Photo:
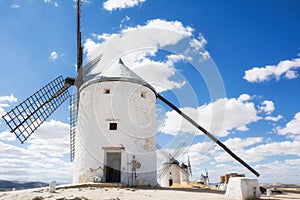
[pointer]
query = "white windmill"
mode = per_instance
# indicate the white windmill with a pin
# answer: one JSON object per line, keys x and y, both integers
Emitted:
{"x": 174, "y": 172}
{"x": 113, "y": 125}
{"x": 116, "y": 126}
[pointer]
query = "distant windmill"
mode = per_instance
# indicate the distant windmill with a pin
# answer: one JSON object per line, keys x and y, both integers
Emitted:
{"x": 112, "y": 121}
{"x": 205, "y": 178}
{"x": 173, "y": 171}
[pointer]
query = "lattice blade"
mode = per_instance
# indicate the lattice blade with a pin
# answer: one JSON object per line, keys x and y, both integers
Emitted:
{"x": 25, "y": 118}
{"x": 73, "y": 124}
{"x": 91, "y": 65}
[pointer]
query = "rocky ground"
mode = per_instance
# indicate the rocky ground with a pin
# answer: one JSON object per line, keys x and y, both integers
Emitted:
{"x": 117, "y": 192}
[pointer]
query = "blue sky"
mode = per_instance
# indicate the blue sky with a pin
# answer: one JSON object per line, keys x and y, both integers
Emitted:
{"x": 250, "y": 48}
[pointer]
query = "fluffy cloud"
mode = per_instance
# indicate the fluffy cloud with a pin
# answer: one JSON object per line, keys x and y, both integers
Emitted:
{"x": 154, "y": 34}
{"x": 260, "y": 152}
{"x": 149, "y": 70}
{"x": 285, "y": 68}
{"x": 292, "y": 128}
{"x": 238, "y": 143}
{"x": 244, "y": 97}
{"x": 280, "y": 171}
{"x": 14, "y": 6}
{"x": 267, "y": 107}
{"x": 5, "y": 101}
{"x": 274, "y": 119}
{"x": 9, "y": 99}
{"x": 147, "y": 38}
{"x": 7, "y": 136}
{"x": 40, "y": 158}
{"x": 176, "y": 26}
{"x": 218, "y": 117}
{"x": 111, "y": 5}
{"x": 52, "y": 138}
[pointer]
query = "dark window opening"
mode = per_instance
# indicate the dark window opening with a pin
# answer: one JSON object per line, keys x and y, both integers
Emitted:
{"x": 143, "y": 95}
{"x": 113, "y": 126}
{"x": 106, "y": 91}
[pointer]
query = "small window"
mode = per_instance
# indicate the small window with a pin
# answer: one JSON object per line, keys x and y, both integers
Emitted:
{"x": 113, "y": 126}
{"x": 106, "y": 91}
{"x": 143, "y": 95}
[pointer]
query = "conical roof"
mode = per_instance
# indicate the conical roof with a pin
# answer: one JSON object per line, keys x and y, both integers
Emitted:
{"x": 120, "y": 72}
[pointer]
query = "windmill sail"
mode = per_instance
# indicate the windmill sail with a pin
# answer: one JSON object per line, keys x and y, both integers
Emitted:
{"x": 189, "y": 167}
{"x": 25, "y": 118}
{"x": 208, "y": 134}
{"x": 91, "y": 65}
{"x": 73, "y": 124}
{"x": 171, "y": 158}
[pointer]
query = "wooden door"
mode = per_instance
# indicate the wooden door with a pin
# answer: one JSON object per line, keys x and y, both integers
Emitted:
{"x": 113, "y": 167}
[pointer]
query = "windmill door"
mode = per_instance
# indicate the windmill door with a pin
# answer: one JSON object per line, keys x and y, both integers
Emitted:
{"x": 113, "y": 167}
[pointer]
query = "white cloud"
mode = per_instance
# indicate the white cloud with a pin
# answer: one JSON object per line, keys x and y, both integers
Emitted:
{"x": 53, "y": 55}
{"x": 176, "y": 26}
{"x": 52, "y": 138}
{"x": 274, "y": 119}
{"x": 158, "y": 74}
{"x": 198, "y": 46}
{"x": 244, "y": 97}
{"x": 218, "y": 117}
{"x": 292, "y": 128}
{"x": 40, "y": 158}
{"x": 261, "y": 152}
{"x": 238, "y": 143}
{"x": 7, "y": 136}
{"x": 9, "y": 99}
{"x": 267, "y": 107}
{"x": 14, "y": 6}
{"x": 285, "y": 68}
{"x": 27, "y": 169}
{"x": 5, "y": 101}
{"x": 137, "y": 44}
{"x": 112, "y": 5}
{"x": 89, "y": 46}
{"x": 173, "y": 58}
{"x": 158, "y": 39}
{"x": 280, "y": 171}
{"x": 54, "y": 3}
{"x": 136, "y": 41}
{"x": 200, "y": 43}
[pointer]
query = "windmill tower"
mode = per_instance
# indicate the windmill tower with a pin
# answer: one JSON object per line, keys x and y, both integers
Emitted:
{"x": 112, "y": 132}
{"x": 116, "y": 129}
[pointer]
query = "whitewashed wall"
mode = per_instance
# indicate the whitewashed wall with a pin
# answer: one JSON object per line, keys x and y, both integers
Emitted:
{"x": 136, "y": 133}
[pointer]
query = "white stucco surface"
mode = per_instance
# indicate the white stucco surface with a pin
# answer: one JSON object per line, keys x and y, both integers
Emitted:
{"x": 241, "y": 188}
{"x": 133, "y": 107}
